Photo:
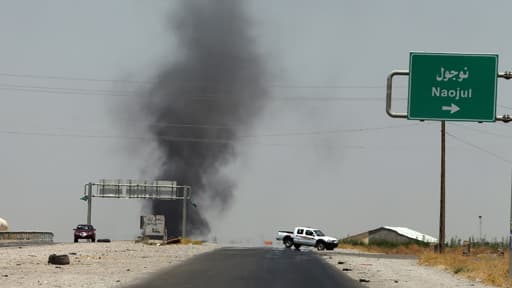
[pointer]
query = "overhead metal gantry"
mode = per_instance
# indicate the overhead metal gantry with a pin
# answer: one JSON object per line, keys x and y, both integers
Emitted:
{"x": 133, "y": 189}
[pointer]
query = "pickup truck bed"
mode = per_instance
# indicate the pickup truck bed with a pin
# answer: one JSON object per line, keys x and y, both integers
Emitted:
{"x": 281, "y": 234}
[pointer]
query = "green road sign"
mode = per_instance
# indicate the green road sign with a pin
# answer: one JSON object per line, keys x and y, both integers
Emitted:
{"x": 454, "y": 87}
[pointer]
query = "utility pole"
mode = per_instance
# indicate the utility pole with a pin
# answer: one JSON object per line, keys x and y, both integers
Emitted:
{"x": 443, "y": 188}
{"x": 89, "y": 202}
{"x": 184, "y": 216}
{"x": 510, "y": 237}
{"x": 424, "y": 75}
{"x": 480, "y": 228}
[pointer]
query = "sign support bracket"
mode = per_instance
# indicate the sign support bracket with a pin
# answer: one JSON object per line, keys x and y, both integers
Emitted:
{"x": 389, "y": 88}
{"x": 504, "y": 118}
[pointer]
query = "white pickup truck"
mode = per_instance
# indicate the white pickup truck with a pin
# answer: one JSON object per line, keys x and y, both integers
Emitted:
{"x": 308, "y": 237}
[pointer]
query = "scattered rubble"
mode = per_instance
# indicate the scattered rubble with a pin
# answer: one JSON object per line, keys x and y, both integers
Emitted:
{"x": 115, "y": 264}
{"x": 391, "y": 271}
{"x": 58, "y": 259}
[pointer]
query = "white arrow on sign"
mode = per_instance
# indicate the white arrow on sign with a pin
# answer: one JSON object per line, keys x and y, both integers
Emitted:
{"x": 453, "y": 108}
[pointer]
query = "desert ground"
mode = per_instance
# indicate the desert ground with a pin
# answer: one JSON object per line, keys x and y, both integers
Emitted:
{"x": 112, "y": 264}
{"x": 121, "y": 263}
{"x": 386, "y": 271}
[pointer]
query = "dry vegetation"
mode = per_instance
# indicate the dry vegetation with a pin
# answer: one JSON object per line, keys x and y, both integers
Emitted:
{"x": 402, "y": 250}
{"x": 484, "y": 264}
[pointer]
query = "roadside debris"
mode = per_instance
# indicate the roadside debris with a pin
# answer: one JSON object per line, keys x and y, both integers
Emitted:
{"x": 466, "y": 248}
{"x": 173, "y": 241}
{"x": 178, "y": 240}
{"x": 58, "y": 259}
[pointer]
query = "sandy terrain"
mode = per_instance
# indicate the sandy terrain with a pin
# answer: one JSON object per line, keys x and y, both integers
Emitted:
{"x": 94, "y": 265}
{"x": 385, "y": 271}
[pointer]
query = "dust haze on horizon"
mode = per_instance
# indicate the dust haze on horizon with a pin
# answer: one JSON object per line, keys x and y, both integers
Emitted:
{"x": 316, "y": 148}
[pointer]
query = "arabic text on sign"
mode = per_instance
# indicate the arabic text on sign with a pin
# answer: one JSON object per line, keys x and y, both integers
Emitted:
{"x": 447, "y": 74}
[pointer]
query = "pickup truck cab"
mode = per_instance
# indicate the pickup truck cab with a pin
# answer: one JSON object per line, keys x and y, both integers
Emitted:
{"x": 306, "y": 236}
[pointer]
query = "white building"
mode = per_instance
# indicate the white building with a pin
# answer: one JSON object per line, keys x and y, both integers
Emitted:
{"x": 391, "y": 234}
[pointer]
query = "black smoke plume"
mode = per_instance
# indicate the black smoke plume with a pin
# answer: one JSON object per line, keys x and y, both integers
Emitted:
{"x": 202, "y": 102}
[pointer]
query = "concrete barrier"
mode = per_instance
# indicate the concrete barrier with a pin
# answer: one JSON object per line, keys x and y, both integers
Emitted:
{"x": 26, "y": 237}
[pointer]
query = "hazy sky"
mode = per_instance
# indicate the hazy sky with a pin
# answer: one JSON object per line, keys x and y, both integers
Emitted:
{"x": 324, "y": 153}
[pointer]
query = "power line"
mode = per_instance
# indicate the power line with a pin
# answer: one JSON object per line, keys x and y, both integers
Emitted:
{"x": 204, "y": 126}
{"x": 124, "y": 93}
{"x": 66, "y": 91}
{"x": 71, "y": 135}
{"x": 191, "y": 83}
{"x": 482, "y": 131}
{"x": 294, "y": 133}
{"x": 51, "y": 77}
{"x": 162, "y": 138}
{"x": 192, "y": 139}
{"x": 336, "y": 131}
{"x": 506, "y": 107}
{"x": 479, "y": 148}
{"x": 300, "y": 98}
{"x": 62, "y": 92}
{"x": 328, "y": 86}
{"x": 220, "y": 96}
{"x": 106, "y": 91}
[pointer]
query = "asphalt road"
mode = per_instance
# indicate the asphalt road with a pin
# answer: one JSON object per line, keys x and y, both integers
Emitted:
{"x": 252, "y": 267}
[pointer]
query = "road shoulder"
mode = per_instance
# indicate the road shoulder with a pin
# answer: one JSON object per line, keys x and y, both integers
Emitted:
{"x": 385, "y": 271}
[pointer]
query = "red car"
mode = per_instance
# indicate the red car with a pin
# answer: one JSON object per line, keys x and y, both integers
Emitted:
{"x": 85, "y": 231}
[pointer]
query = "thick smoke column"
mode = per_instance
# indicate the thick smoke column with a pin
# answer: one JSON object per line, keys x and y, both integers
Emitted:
{"x": 201, "y": 102}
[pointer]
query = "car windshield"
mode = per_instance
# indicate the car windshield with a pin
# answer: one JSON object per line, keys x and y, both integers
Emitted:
{"x": 319, "y": 233}
{"x": 83, "y": 227}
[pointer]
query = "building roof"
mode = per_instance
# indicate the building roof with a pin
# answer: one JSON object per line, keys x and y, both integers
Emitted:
{"x": 412, "y": 234}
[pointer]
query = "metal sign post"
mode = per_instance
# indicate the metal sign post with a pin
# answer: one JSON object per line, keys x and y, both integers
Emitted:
{"x": 442, "y": 209}
{"x": 184, "y": 217}
{"x": 450, "y": 87}
{"x": 156, "y": 190}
